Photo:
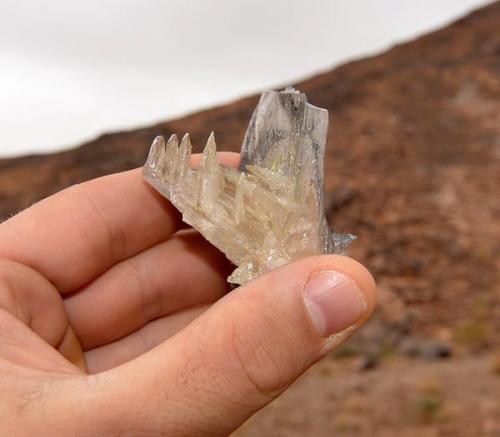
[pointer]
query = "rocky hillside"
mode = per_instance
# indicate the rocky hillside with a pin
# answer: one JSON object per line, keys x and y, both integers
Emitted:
{"x": 413, "y": 168}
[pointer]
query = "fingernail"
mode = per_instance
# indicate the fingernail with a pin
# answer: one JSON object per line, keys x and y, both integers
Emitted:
{"x": 333, "y": 302}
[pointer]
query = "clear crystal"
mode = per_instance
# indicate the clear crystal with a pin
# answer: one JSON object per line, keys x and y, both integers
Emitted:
{"x": 271, "y": 210}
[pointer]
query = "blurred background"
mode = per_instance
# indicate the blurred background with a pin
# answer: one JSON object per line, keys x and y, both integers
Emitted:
{"x": 73, "y": 70}
{"x": 412, "y": 167}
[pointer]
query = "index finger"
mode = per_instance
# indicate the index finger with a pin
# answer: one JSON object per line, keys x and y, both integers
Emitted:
{"x": 77, "y": 234}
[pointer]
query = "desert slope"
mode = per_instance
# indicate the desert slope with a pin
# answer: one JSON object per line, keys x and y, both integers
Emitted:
{"x": 413, "y": 168}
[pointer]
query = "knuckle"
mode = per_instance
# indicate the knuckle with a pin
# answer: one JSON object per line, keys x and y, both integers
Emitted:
{"x": 5, "y": 270}
{"x": 9, "y": 298}
{"x": 264, "y": 366}
{"x": 114, "y": 236}
{"x": 149, "y": 291}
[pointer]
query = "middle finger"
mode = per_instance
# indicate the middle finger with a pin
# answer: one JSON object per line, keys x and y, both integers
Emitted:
{"x": 179, "y": 273}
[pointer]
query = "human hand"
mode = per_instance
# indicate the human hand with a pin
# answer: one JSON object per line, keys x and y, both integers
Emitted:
{"x": 112, "y": 322}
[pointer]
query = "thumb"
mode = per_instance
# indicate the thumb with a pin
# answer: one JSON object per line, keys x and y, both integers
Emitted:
{"x": 243, "y": 352}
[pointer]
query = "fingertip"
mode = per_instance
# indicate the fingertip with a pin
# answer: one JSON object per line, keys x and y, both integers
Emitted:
{"x": 229, "y": 159}
{"x": 360, "y": 275}
{"x": 338, "y": 291}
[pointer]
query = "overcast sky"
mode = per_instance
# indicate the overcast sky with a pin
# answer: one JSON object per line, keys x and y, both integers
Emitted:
{"x": 71, "y": 70}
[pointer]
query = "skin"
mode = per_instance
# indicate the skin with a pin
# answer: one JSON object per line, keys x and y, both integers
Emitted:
{"x": 115, "y": 318}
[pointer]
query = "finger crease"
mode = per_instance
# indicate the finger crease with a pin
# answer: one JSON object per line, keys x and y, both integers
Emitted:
{"x": 147, "y": 293}
{"x": 115, "y": 237}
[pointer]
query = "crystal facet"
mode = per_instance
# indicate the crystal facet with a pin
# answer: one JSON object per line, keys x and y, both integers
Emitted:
{"x": 271, "y": 210}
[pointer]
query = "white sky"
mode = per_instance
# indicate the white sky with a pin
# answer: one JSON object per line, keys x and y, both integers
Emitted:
{"x": 70, "y": 70}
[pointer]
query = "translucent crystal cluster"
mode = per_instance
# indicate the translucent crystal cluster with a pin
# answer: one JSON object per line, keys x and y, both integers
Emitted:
{"x": 268, "y": 212}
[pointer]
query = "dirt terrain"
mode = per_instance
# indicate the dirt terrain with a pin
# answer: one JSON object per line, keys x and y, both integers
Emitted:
{"x": 413, "y": 169}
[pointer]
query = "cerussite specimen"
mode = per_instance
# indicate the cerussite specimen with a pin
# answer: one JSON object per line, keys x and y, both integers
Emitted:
{"x": 271, "y": 210}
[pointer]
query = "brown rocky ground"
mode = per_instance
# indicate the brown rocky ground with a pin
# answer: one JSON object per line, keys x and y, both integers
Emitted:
{"x": 413, "y": 169}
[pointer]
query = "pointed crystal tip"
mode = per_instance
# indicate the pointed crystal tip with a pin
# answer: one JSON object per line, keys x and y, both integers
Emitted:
{"x": 271, "y": 210}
